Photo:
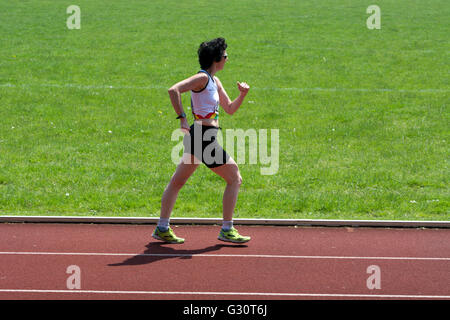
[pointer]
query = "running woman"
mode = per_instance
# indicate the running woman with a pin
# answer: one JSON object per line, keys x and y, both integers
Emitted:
{"x": 200, "y": 145}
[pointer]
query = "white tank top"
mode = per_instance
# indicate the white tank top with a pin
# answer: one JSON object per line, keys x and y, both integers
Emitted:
{"x": 205, "y": 103}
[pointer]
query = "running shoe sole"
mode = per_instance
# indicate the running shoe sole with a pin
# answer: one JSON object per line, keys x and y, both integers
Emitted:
{"x": 233, "y": 241}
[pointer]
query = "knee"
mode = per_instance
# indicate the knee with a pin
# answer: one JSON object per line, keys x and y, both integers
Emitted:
{"x": 177, "y": 183}
{"x": 239, "y": 180}
{"x": 236, "y": 180}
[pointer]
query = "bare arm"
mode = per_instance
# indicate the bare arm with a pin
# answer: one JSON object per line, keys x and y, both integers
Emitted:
{"x": 196, "y": 82}
{"x": 229, "y": 106}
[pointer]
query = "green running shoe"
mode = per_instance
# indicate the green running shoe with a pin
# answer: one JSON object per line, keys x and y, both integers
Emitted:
{"x": 168, "y": 236}
{"x": 232, "y": 236}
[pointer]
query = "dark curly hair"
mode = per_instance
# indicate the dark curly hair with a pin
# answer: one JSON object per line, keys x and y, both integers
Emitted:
{"x": 210, "y": 51}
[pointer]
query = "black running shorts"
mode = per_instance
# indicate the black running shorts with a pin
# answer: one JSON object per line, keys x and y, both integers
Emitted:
{"x": 202, "y": 143}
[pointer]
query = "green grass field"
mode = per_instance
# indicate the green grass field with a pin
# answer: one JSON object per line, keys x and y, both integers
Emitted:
{"x": 363, "y": 117}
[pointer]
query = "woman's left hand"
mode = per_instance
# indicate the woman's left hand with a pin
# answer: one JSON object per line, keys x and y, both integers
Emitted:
{"x": 243, "y": 87}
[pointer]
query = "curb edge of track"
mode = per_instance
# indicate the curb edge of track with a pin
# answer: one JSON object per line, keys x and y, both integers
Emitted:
{"x": 237, "y": 221}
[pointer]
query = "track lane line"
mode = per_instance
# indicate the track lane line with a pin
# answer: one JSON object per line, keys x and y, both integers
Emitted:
{"x": 222, "y": 255}
{"x": 281, "y": 294}
{"x": 158, "y": 87}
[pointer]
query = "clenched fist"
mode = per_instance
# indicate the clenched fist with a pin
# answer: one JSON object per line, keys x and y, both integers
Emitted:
{"x": 243, "y": 87}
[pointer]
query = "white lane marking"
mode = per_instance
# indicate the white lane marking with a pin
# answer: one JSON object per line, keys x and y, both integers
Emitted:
{"x": 269, "y": 256}
{"x": 279, "y": 294}
{"x": 79, "y": 86}
{"x": 150, "y": 87}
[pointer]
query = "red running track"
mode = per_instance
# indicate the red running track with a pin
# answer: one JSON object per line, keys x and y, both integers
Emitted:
{"x": 124, "y": 262}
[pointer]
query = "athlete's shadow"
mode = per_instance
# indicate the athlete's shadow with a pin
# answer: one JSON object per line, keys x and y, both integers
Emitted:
{"x": 157, "y": 251}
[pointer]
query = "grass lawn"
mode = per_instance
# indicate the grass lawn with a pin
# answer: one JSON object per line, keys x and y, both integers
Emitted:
{"x": 363, "y": 115}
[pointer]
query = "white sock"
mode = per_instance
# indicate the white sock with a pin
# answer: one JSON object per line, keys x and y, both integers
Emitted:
{"x": 227, "y": 225}
{"x": 163, "y": 224}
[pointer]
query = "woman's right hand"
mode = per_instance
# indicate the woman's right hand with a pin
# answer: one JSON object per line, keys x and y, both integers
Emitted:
{"x": 184, "y": 126}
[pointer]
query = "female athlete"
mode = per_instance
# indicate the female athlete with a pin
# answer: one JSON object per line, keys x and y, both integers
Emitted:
{"x": 200, "y": 145}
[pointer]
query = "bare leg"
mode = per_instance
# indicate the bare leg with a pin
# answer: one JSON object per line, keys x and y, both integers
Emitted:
{"x": 230, "y": 173}
{"x": 185, "y": 169}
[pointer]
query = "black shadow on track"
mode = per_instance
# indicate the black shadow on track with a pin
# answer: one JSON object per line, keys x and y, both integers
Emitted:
{"x": 157, "y": 251}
